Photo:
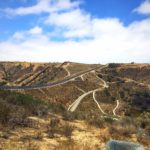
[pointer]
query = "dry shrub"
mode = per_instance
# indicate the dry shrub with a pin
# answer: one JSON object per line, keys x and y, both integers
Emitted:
{"x": 32, "y": 146}
{"x": 72, "y": 145}
{"x": 143, "y": 135}
{"x": 39, "y": 135}
{"x": 143, "y": 139}
{"x": 28, "y": 145}
{"x": 124, "y": 127}
{"x": 4, "y": 113}
{"x": 126, "y": 130}
{"x": 67, "y": 130}
{"x": 54, "y": 122}
{"x": 96, "y": 121}
{"x": 104, "y": 138}
{"x": 53, "y": 127}
{"x": 68, "y": 116}
{"x": 66, "y": 145}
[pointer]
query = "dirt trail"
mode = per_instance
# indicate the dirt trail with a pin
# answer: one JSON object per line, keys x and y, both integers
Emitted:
{"x": 82, "y": 77}
{"x": 53, "y": 84}
{"x": 65, "y": 67}
{"x": 114, "y": 110}
{"x": 75, "y": 104}
{"x": 94, "y": 98}
{"x": 80, "y": 89}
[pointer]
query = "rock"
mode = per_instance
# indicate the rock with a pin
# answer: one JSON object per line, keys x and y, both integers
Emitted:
{"x": 123, "y": 145}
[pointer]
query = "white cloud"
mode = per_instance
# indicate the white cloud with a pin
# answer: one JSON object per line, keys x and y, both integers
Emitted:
{"x": 22, "y": 35}
{"x": 18, "y": 35}
{"x": 117, "y": 44}
{"x": 35, "y": 30}
{"x": 144, "y": 8}
{"x": 75, "y": 23}
{"x": 100, "y": 39}
{"x": 42, "y": 6}
{"x": 79, "y": 24}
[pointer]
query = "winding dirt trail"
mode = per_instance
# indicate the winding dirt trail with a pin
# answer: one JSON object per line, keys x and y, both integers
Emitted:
{"x": 82, "y": 78}
{"x": 75, "y": 104}
{"x": 65, "y": 67}
{"x": 94, "y": 98}
{"x": 114, "y": 110}
{"x": 80, "y": 89}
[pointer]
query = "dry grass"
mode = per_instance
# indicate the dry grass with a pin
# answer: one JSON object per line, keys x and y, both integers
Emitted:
{"x": 16, "y": 109}
{"x": 29, "y": 145}
{"x": 72, "y": 145}
{"x": 123, "y": 128}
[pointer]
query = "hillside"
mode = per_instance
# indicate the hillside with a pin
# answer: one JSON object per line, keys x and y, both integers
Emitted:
{"x": 58, "y": 105}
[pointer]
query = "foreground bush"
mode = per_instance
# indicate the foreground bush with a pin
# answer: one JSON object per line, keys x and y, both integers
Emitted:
{"x": 16, "y": 107}
{"x": 67, "y": 130}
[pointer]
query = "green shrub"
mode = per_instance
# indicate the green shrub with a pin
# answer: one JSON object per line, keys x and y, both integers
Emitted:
{"x": 25, "y": 100}
{"x": 109, "y": 120}
{"x": 56, "y": 108}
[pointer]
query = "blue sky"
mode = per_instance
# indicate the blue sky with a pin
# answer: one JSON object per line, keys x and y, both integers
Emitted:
{"x": 121, "y": 9}
{"x": 88, "y": 31}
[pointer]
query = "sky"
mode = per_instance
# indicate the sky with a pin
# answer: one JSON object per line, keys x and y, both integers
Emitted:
{"x": 86, "y": 31}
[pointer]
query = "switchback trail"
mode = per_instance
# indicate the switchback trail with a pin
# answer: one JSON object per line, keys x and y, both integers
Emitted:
{"x": 75, "y": 104}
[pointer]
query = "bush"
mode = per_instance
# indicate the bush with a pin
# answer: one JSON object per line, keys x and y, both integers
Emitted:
{"x": 39, "y": 136}
{"x": 72, "y": 145}
{"x": 109, "y": 120}
{"x": 96, "y": 121}
{"x": 4, "y": 113}
{"x": 56, "y": 108}
{"x": 25, "y": 100}
{"x": 51, "y": 132}
{"x": 106, "y": 91}
{"x": 68, "y": 116}
{"x": 113, "y": 65}
{"x": 99, "y": 123}
{"x": 53, "y": 127}
{"x": 16, "y": 107}
{"x": 54, "y": 122}
{"x": 67, "y": 130}
{"x": 124, "y": 127}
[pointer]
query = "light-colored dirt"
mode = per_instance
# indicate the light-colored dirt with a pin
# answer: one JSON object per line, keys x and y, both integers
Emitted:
{"x": 28, "y": 138}
{"x": 94, "y": 98}
{"x": 65, "y": 66}
{"x": 75, "y": 104}
{"x": 114, "y": 110}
